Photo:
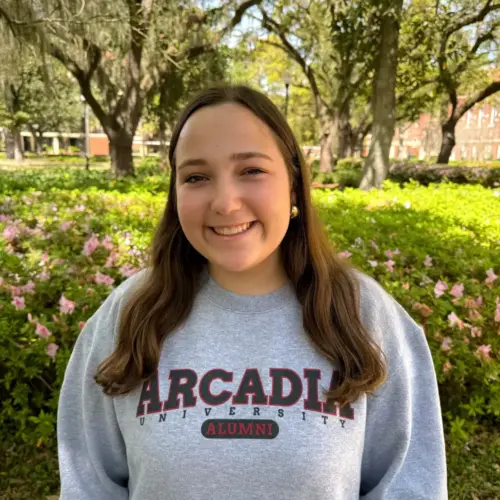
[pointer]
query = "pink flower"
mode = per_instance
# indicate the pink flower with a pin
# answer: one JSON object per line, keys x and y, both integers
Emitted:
{"x": 455, "y": 320}
{"x": 428, "y": 261}
{"x": 10, "y": 233}
{"x": 66, "y": 225}
{"x": 497, "y": 312}
{"x": 29, "y": 287}
{"x": 107, "y": 243}
{"x": 470, "y": 303}
{"x": 103, "y": 279}
{"x": 483, "y": 352}
{"x": 474, "y": 314}
{"x": 390, "y": 254}
{"x": 373, "y": 263}
{"x": 128, "y": 270}
{"x": 45, "y": 258}
{"x": 479, "y": 301}
{"x": 475, "y": 332}
{"x": 30, "y": 318}
{"x": 447, "y": 367}
{"x": 43, "y": 331}
{"x": 390, "y": 265}
{"x": 440, "y": 288}
{"x": 81, "y": 324}
{"x": 44, "y": 276}
{"x": 52, "y": 349}
{"x": 423, "y": 309}
{"x": 345, "y": 255}
{"x": 111, "y": 260}
{"x": 457, "y": 290}
{"x": 466, "y": 340}
{"x": 491, "y": 276}
{"x": 66, "y": 306}
{"x": 18, "y": 303}
{"x": 446, "y": 345}
{"x": 90, "y": 245}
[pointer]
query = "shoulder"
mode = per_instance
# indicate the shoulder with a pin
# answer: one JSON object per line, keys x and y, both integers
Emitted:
{"x": 109, "y": 311}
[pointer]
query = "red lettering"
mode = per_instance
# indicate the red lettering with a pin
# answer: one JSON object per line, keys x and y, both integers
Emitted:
{"x": 231, "y": 428}
{"x": 221, "y": 431}
{"x": 261, "y": 429}
{"x": 211, "y": 430}
{"x": 246, "y": 429}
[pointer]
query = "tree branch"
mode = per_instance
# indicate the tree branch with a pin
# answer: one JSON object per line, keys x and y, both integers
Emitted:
{"x": 479, "y": 96}
{"x": 463, "y": 21}
{"x": 287, "y": 47}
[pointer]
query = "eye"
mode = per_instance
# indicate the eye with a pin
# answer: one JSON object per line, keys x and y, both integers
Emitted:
{"x": 254, "y": 171}
{"x": 194, "y": 179}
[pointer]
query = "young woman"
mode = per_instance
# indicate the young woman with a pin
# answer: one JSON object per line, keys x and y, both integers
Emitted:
{"x": 247, "y": 361}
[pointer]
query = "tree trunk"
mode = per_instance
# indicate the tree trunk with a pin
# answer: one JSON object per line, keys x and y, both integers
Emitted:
{"x": 326, "y": 141}
{"x": 448, "y": 141}
{"x": 37, "y": 137}
{"x": 14, "y": 145}
{"x": 377, "y": 164}
{"x": 343, "y": 149}
{"x": 9, "y": 145}
{"x": 163, "y": 144}
{"x": 120, "y": 149}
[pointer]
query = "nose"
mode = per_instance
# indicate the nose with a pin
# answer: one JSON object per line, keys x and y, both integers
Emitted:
{"x": 226, "y": 198}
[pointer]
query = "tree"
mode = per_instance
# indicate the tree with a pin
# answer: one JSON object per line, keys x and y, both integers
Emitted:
{"x": 269, "y": 68}
{"x": 331, "y": 42}
{"x": 110, "y": 48}
{"x": 177, "y": 83}
{"x": 36, "y": 96}
{"x": 376, "y": 166}
{"x": 463, "y": 45}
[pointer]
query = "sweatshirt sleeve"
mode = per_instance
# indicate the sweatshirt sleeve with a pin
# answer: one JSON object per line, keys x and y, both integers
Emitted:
{"x": 92, "y": 454}
{"x": 404, "y": 452}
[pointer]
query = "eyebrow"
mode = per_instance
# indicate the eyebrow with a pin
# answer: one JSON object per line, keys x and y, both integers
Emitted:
{"x": 200, "y": 162}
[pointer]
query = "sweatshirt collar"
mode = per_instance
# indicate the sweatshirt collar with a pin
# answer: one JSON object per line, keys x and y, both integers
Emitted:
{"x": 246, "y": 303}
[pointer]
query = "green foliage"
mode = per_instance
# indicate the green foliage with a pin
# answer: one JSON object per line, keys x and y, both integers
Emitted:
{"x": 266, "y": 67}
{"x": 39, "y": 96}
{"x": 402, "y": 225}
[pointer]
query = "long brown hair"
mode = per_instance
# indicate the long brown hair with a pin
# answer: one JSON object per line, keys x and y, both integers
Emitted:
{"x": 325, "y": 286}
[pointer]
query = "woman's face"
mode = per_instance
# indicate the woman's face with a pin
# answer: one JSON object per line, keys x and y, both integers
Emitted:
{"x": 233, "y": 188}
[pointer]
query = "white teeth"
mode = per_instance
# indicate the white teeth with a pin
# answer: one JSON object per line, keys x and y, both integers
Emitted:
{"x": 226, "y": 231}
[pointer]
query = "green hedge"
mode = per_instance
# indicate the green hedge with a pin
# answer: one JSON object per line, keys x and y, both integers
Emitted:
{"x": 409, "y": 239}
{"x": 347, "y": 173}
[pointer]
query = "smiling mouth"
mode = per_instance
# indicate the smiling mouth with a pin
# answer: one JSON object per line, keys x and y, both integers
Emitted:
{"x": 233, "y": 230}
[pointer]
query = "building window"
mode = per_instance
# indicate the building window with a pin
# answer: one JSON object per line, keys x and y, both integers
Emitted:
{"x": 498, "y": 152}
{"x": 463, "y": 152}
{"x": 480, "y": 117}
{"x": 488, "y": 150}
{"x": 493, "y": 116}
{"x": 474, "y": 153}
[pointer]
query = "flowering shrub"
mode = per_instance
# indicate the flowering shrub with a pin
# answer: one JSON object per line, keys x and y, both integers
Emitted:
{"x": 66, "y": 239}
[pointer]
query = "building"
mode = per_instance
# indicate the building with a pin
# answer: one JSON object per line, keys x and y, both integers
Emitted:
{"x": 477, "y": 139}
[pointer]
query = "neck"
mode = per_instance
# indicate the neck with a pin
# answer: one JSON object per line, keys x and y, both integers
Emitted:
{"x": 265, "y": 278}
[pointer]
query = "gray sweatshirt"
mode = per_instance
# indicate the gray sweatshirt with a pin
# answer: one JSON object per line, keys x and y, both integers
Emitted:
{"x": 236, "y": 410}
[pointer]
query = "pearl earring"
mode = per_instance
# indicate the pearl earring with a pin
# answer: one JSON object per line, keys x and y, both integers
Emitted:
{"x": 294, "y": 213}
